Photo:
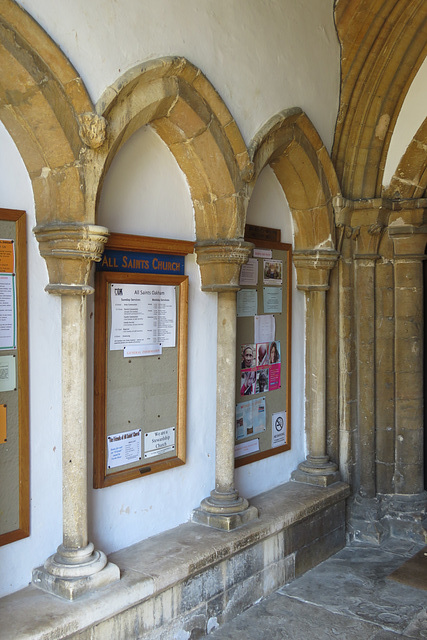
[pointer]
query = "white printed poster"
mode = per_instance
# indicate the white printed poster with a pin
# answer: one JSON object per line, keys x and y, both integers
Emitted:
{"x": 142, "y": 315}
{"x": 123, "y": 448}
{"x": 158, "y": 442}
{"x": 7, "y": 312}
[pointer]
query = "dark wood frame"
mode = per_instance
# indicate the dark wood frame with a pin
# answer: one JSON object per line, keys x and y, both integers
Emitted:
{"x": 23, "y": 531}
{"x": 266, "y": 238}
{"x": 151, "y": 245}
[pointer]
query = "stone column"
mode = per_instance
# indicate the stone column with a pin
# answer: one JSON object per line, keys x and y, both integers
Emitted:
{"x": 220, "y": 268}
{"x": 77, "y": 567}
{"x": 409, "y": 249}
{"x": 313, "y": 268}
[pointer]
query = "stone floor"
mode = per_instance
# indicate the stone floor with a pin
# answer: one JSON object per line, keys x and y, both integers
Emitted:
{"x": 347, "y": 597}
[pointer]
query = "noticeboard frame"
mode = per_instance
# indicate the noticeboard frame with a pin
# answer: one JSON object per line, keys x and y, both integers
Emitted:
{"x": 103, "y": 478}
{"x": 267, "y": 238}
{"x": 21, "y": 426}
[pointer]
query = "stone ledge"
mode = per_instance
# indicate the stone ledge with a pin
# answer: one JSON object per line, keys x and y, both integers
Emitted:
{"x": 190, "y": 560}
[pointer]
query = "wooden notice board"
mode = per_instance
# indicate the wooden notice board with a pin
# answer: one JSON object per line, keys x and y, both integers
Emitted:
{"x": 263, "y": 377}
{"x": 141, "y": 302}
{"x": 14, "y": 430}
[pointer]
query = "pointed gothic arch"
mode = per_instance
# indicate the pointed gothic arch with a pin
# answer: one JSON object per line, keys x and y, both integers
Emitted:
{"x": 178, "y": 102}
{"x": 42, "y": 98}
{"x": 290, "y": 144}
{"x": 383, "y": 45}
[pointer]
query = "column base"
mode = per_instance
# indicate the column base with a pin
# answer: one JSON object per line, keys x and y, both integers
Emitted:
{"x": 71, "y": 573}
{"x": 226, "y": 511}
{"x": 318, "y": 471}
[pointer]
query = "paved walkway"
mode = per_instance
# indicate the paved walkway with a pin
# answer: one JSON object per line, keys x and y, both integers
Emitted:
{"x": 347, "y": 597}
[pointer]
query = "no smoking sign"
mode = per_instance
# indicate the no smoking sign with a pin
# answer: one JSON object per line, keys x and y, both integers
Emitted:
{"x": 278, "y": 429}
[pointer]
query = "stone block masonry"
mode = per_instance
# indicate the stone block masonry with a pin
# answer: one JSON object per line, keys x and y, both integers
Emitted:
{"x": 187, "y": 581}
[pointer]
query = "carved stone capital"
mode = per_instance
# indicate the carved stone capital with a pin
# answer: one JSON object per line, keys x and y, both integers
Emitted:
{"x": 368, "y": 240}
{"x": 220, "y": 262}
{"x": 92, "y": 129}
{"x": 313, "y": 268}
{"x": 69, "y": 250}
{"x": 409, "y": 240}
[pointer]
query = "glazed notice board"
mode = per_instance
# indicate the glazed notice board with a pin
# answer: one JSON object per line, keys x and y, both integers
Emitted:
{"x": 263, "y": 376}
{"x": 141, "y": 303}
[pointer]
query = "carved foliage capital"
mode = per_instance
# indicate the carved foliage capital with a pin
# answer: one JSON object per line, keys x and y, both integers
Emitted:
{"x": 69, "y": 250}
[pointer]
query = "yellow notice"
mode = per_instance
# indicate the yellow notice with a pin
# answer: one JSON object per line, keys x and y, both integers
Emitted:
{"x": 7, "y": 262}
{"x": 3, "y": 430}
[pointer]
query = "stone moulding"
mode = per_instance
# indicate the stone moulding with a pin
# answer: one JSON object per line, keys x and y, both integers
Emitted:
{"x": 313, "y": 268}
{"x": 69, "y": 250}
{"x": 220, "y": 262}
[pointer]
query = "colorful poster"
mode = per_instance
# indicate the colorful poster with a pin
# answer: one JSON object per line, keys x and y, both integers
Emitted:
{"x": 247, "y": 354}
{"x": 273, "y": 272}
{"x": 250, "y": 418}
{"x": 7, "y": 256}
{"x": 274, "y": 377}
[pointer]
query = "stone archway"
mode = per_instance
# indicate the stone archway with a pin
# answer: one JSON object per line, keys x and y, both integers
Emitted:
{"x": 291, "y": 146}
{"x": 383, "y": 45}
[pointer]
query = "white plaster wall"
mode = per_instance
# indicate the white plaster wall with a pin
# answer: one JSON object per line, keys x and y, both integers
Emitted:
{"x": 44, "y": 322}
{"x": 261, "y": 57}
{"x": 146, "y": 193}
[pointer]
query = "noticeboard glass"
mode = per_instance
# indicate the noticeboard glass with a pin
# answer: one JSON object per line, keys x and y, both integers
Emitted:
{"x": 263, "y": 376}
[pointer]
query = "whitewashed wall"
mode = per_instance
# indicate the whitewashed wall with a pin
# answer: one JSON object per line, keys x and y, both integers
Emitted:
{"x": 261, "y": 58}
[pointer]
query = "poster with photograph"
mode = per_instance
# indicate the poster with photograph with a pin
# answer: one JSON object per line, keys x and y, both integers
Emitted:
{"x": 247, "y": 356}
{"x": 247, "y": 383}
{"x": 262, "y": 380}
{"x": 273, "y": 272}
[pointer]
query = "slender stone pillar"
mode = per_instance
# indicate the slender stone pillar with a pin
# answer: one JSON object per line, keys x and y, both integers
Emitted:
{"x": 220, "y": 267}
{"x": 313, "y": 269}
{"x": 77, "y": 567}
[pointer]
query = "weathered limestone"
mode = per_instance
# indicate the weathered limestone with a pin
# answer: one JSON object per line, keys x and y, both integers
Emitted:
{"x": 409, "y": 342}
{"x": 367, "y": 237}
{"x": 220, "y": 268}
{"x": 77, "y": 567}
{"x": 185, "y": 582}
{"x": 313, "y": 274}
